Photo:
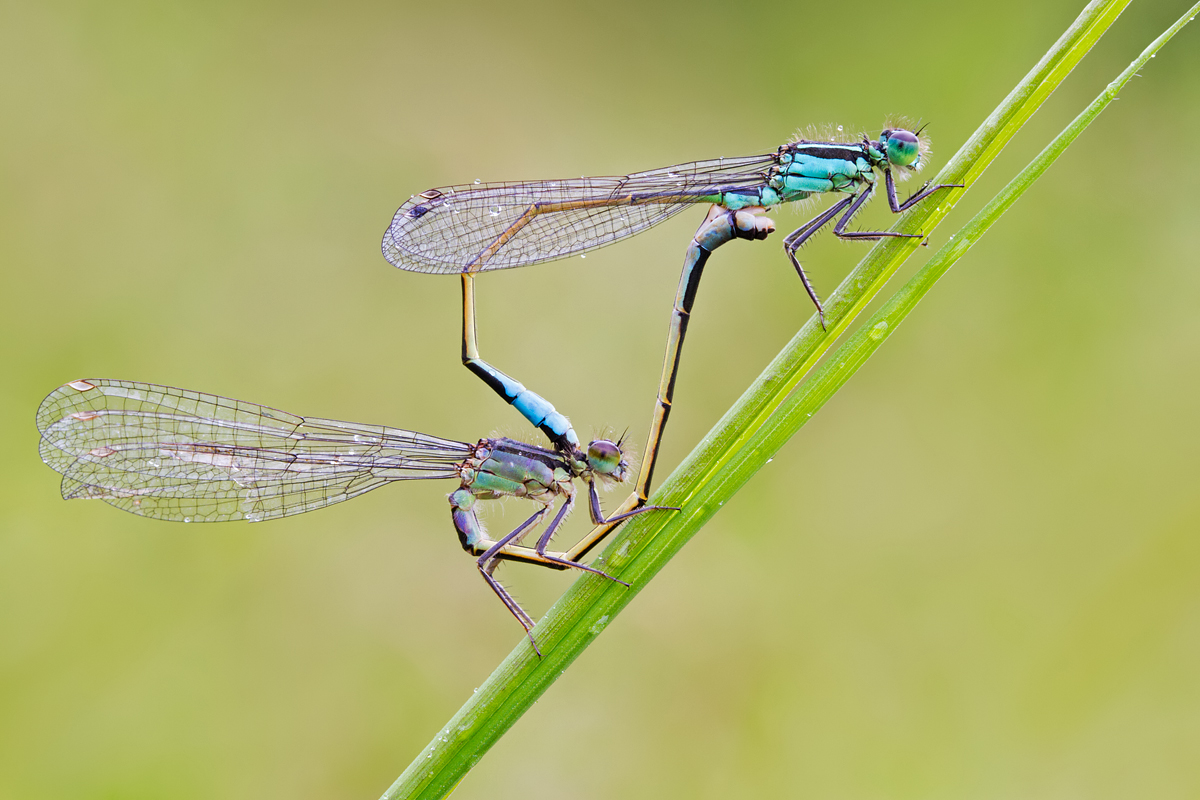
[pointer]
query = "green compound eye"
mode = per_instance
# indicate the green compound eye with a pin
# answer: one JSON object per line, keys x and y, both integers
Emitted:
{"x": 604, "y": 457}
{"x": 903, "y": 150}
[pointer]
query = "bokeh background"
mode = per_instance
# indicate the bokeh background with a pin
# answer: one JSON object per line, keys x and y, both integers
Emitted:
{"x": 976, "y": 573}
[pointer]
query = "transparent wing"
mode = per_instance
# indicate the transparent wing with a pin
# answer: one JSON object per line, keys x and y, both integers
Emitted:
{"x": 187, "y": 456}
{"x": 500, "y": 225}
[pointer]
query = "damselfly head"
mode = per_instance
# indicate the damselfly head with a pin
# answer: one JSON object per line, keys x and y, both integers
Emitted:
{"x": 901, "y": 148}
{"x": 904, "y": 148}
{"x": 606, "y": 460}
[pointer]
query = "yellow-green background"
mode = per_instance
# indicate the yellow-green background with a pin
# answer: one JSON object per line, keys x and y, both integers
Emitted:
{"x": 975, "y": 574}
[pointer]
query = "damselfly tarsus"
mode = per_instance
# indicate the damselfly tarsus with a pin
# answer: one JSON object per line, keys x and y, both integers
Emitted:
{"x": 479, "y": 227}
{"x": 186, "y": 456}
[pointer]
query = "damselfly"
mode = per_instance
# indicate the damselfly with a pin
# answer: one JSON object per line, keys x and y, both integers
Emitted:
{"x": 187, "y": 456}
{"x": 478, "y": 227}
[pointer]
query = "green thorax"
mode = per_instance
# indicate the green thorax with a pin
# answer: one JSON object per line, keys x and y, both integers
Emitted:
{"x": 503, "y": 467}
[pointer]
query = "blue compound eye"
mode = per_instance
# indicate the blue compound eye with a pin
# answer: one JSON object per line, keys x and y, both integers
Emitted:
{"x": 604, "y": 457}
{"x": 903, "y": 150}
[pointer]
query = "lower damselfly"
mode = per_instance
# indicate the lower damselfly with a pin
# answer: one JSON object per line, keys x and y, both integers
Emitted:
{"x": 185, "y": 456}
{"x": 473, "y": 228}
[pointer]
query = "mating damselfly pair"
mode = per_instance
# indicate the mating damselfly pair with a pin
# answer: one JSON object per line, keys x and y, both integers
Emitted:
{"x": 187, "y": 456}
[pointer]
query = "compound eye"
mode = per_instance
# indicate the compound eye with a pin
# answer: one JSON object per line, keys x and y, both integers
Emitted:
{"x": 604, "y": 457}
{"x": 903, "y": 150}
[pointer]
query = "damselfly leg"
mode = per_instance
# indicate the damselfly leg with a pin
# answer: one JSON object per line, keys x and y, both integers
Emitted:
{"x": 851, "y": 205}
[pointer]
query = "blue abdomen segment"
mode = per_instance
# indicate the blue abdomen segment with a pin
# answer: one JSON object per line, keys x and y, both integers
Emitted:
{"x": 532, "y": 406}
{"x": 541, "y": 413}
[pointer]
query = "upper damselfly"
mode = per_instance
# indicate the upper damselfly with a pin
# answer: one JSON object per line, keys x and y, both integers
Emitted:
{"x": 185, "y": 456}
{"x": 478, "y": 227}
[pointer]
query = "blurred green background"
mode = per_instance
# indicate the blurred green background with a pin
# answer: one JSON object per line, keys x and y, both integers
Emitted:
{"x": 974, "y": 574}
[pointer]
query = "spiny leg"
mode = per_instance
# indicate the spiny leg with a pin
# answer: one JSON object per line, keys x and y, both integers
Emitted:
{"x": 548, "y": 534}
{"x": 850, "y": 206}
{"x": 839, "y": 230}
{"x": 532, "y": 406}
{"x": 597, "y": 513}
{"x": 868, "y": 235}
{"x": 488, "y": 562}
{"x": 793, "y": 241}
{"x": 924, "y": 192}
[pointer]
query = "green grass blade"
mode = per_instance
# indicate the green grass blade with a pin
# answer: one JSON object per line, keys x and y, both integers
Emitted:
{"x": 752, "y": 431}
